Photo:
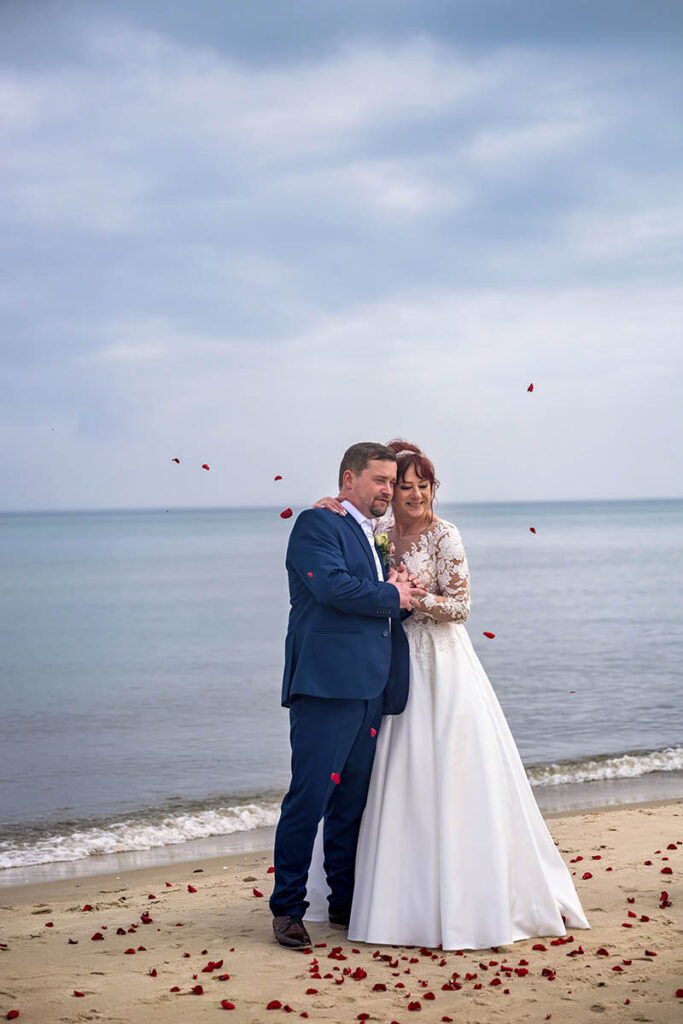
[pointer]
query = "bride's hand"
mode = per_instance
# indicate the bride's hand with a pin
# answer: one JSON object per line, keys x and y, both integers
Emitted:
{"x": 333, "y": 505}
{"x": 400, "y": 575}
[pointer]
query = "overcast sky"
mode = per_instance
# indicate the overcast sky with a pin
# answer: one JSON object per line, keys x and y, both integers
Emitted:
{"x": 252, "y": 234}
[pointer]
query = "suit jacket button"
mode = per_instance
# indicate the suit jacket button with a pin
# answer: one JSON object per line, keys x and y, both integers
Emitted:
{"x": 385, "y": 632}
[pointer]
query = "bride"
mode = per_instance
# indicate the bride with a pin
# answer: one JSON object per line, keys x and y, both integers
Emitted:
{"x": 453, "y": 850}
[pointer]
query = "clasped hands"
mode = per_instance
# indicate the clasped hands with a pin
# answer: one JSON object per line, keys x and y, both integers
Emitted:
{"x": 408, "y": 586}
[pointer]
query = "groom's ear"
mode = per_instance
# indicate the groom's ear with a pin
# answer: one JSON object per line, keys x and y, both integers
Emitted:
{"x": 347, "y": 479}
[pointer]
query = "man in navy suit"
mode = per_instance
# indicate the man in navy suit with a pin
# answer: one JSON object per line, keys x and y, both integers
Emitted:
{"x": 346, "y": 664}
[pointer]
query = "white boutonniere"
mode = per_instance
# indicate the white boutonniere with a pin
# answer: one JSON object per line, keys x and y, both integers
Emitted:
{"x": 384, "y": 546}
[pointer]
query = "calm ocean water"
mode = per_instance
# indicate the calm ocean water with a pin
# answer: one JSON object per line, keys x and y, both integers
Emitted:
{"x": 141, "y": 657}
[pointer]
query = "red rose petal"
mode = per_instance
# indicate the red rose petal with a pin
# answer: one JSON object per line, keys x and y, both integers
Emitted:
{"x": 191, "y": 888}
{"x": 630, "y": 899}
{"x": 49, "y": 924}
{"x": 540, "y": 947}
{"x": 286, "y": 513}
{"x": 130, "y": 951}
{"x": 373, "y": 733}
{"x": 666, "y": 871}
{"x": 270, "y": 870}
{"x": 96, "y": 937}
{"x": 312, "y": 992}
{"x": 491, "y": 636}
{"x": 174, "y": 989}
{"x": 227, "y": 1005}
{"x": 532, "y": 529}
{"x": 679, "y": 993}
{"x": 274, "y": 1004}
{"x": 335, "y": 778}
{"x": 79, "y": 995}
{"x": 153, "y": 972}
{"x": 631, "y": 914}
{"x": 530, "y": 388}
{"x": 87, "y": 907}
{"x": 601, "y": 952}
{"x": 197, "y": 990}
{"x": 12, "y": 1015}
{"x": 257, "y": 892}
{"x": 415, "y": 1006}
{"x": 379, "y": 987}
{"x": 176, "y": 460}
{"x": 204, "y": 466}
{"x": 586, "y": 875}
{"x": 278, "y": 477}
{"x": 650, "y": 952}
{"x": 310, "y": 575}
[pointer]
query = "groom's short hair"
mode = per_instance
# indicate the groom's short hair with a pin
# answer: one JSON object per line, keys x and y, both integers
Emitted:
{"x": 358, "y": 455}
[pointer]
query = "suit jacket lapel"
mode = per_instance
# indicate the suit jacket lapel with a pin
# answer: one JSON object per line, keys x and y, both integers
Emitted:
{"x": 363, "y": 540}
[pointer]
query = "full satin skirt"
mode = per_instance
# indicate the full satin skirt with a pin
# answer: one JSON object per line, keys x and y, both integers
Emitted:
{"x": 453, "y": 849}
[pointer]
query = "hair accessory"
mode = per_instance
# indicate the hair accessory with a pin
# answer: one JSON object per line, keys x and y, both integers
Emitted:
{"x": 406, "y": 452}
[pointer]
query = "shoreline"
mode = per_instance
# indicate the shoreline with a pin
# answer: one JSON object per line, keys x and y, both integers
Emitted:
{"x": 189, "y": 922}
{"x": 567, "y": 800}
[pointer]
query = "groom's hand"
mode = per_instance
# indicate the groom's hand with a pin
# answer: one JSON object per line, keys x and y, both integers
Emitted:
{"x": 407, "y": 592}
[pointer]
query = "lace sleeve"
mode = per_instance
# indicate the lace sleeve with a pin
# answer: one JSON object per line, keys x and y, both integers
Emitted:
{"x": 452, "y": 601}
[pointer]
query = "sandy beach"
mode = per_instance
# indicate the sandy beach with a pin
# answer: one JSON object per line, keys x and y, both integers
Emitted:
{"x": 193, "y": 940}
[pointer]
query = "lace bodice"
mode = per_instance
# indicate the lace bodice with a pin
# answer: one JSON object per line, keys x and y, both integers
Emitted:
{"x": 437, "y": 558}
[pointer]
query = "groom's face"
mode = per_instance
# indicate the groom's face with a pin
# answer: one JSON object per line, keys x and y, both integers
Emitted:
{"x": 372, "y": 490}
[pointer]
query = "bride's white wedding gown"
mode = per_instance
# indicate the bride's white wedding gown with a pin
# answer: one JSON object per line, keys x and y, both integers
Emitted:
{"x": 453, "y": 849}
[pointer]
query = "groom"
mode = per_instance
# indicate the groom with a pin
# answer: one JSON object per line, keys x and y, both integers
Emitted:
{"x": 346, "y": 664}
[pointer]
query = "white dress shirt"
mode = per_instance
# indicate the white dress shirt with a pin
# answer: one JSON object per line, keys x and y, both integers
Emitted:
{"x": 367, "y": 526}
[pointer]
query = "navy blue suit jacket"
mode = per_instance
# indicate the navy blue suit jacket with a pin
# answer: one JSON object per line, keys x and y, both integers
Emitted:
{"x": 339, "y": 642}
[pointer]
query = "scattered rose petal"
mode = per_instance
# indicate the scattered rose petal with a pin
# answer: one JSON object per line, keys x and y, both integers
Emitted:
{"x": 169, "y": 885}
{"x": 198, "y": 990}
{"x": 204, "y": 466}
{"x": 415, "y": 1006}
{"x": 530, "y": 388}
{"x": 12, "y": 1015}
{"x": 373, "y": 733}
{"x": 49, "y": 924}
{"x": 153, "y": 972}
{"x": 176, "y": 461}
{"x": 274, "y": 1004}
{"x": 310, "y": 575}
{"x": 79, "y": 995}
{"x": 601, "y": 952}
{"x": 270, "y": 870}
{"x": 666, "y": 871}
{"x": 97, "y": 937}
{"x": 540, "y": 947}
{"x": 174, "y": 989}
{"x": 227, "y": 1005}
{"x": 586, "y": 875}
{"x": 335, "y": 778}
{"x": 278, "y": 477}
{"x": 630, "y": 899}
{"x": 532, "y": 529}
{"x": 650, "y": 952}
{"x": 87, "y": 907}
{"x": 130, "y": 951}
{"x": 257, "y": 892}
{"x": 491, "y": 636}
{"x": 286, "y": 513}
{"x": 191, "y": 888}
{"x": 312, "y": 992}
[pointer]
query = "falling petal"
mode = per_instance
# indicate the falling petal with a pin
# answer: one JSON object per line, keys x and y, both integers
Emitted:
{"x": 286, "y": 513}
{"x": 491, "y": 636}
{"x": 530, "y": 388}
{"x": 335, "y": 778}
{"x": 177, "y": 461}
{"x": 278, "y": 477}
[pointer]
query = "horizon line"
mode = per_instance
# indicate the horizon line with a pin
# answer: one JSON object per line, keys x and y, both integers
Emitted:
{"x": 265, "y": 508}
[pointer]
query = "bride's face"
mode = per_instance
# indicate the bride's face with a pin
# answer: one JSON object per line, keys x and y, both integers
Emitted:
{"x": 412, "y": 501}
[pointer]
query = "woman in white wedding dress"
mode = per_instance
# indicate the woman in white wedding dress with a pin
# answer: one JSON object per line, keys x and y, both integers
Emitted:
{"x": 453, "y": 850}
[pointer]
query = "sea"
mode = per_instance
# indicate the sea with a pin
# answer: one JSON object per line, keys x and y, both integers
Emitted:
{"x": 141, "y": 658}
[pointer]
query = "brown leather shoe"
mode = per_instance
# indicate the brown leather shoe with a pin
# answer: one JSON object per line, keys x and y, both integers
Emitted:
{"x": 290, "y": 931}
